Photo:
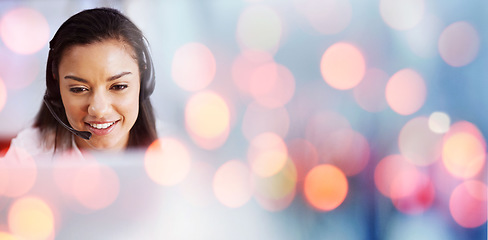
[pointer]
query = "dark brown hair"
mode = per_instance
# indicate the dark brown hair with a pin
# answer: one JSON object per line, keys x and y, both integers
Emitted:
{"x": 83, "y": 28}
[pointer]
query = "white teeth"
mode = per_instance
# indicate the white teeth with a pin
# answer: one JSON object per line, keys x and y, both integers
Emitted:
{"x": 102, "y": 126}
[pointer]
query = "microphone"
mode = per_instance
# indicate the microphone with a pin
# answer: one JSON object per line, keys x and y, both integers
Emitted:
{"x": 82, "y": 134}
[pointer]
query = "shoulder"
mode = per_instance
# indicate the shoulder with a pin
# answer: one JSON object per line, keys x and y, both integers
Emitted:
{"x": 31, "y": 141}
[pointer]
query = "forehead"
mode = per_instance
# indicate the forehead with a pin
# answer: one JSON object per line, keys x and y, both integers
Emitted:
{"x": 105, "y": 54}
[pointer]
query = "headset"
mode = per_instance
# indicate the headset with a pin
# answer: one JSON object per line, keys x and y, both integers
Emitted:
{"x": 148, "y": 83}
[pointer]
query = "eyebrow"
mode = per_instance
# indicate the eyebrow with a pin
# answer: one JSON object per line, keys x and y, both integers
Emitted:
{"x": 112, "y": 78}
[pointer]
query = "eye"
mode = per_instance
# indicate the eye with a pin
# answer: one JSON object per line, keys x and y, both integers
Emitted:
{"x": 119, "y": 87}
{"x": 78, "y": 89}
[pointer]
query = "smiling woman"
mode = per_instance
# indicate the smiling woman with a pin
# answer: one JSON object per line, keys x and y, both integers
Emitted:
{"x": 100, "y": 96}
{"x": 99, "y": 78}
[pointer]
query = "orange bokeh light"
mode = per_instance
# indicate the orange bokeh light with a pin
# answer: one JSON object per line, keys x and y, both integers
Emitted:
{"x": 459, "y": 44}
{"x": 272, "y": 85}
{"x": 207, "y": 115}
{"x": 31, "y": 218}
{"x": 95, "y": 186}
{"x": 325, "y": 187}
{"x": 387, "y": 170}
{"x": 24, "y": 30}
{"x": 193, "y": 67}
{"x": 343, "y": 66}
{"x": 463, "y": 155}
{"x": 418, "y": 143}
{"x": 369, "y": 94}
{"x": 258, "y": 119}
{"x": 468, "y": 204}
{"x": 232, "y": 184}
{"x": 167, "y": 161}
{"x": 406, "y": 92}
{"x": 267, "y": 154}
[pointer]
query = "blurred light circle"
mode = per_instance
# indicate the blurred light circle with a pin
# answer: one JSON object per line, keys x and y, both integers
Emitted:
{"x": 342, "y": 66}
{"x": 3, "y": 95}
{"x": 193, "y": 67}
{"x": 387, "y": 170}
{"x": 21, "y": 174}
{"x": 463, "y": 155}
{"x": 402, "y": 14}
{"x": 258, "y": 119}
{"x": 272, "y": 85}
{"x": 267, "y": 154}
{"x": 276, "y": 192}
{"x": 304, "y": 156}
{"x": 24, "y": 30}
{"x": 325, "y": 187}
{"x": 232, "y": 184}
{"x": 468, "y": 204}
{"x": 459, "y": 44}
{"x": 244, "y": 66}
{"x": 346, "y": 149}
{"x": 412, "y": 192}
{"x": 439, "y": 122}
{"x": 418, "y": 143}
{"x": 369, "y": 93}
{"x": 31, "y": 218}
{"x": 167, "y": 161}
{"x": 326, "y": 16}
{"x": 406, "y": 92}
{"x": 466, "y": 127}
{"x": 259, "y": 27}
{"x": 95, "y": 186}
{"x": 207, "y": 115}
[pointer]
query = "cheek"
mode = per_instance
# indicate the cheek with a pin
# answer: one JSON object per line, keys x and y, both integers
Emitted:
{"x": 129, "y": 107}
{"x": 73, "y": 109}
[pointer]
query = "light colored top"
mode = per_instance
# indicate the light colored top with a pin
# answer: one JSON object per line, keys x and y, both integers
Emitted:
{"x": 29, "y": 145}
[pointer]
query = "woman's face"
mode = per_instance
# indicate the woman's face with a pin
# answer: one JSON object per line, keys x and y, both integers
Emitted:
{"x": 99, "y": 85}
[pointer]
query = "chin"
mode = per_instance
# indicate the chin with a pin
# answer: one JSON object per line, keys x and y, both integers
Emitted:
{"x": 104, "y": 146}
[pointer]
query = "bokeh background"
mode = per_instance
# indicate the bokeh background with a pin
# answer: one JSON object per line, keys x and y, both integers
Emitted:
{"x": 325, "y": 119}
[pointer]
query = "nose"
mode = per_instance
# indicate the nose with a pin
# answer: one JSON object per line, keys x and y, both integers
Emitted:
{"x": 99, "y": 105}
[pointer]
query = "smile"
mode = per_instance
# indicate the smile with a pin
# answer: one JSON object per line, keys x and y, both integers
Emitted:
{"x": 101, "y": 129}
{"x": 101, "y": 126}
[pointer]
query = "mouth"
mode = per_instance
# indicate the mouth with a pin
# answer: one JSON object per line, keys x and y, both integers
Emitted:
{"x": 101, "y": 128}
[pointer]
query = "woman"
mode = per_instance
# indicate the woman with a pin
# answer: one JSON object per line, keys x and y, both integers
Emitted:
{"x": 99, "y": 77}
